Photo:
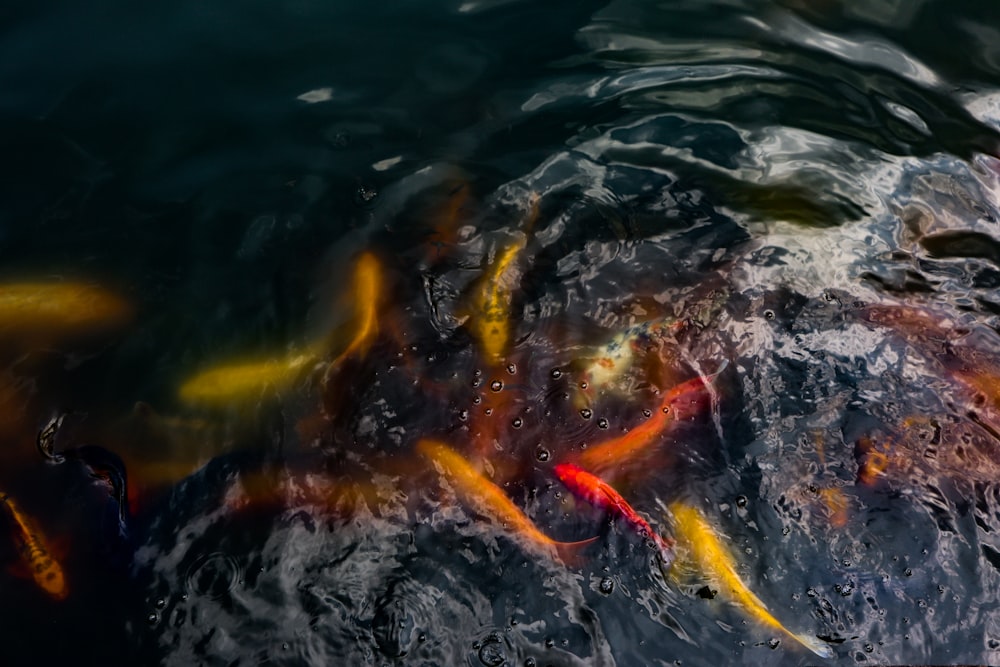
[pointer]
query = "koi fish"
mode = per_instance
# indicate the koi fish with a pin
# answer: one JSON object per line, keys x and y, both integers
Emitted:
{"x": 613, "y": 359}
{"x": 702, "y": 544}
{"x": 243, "y": 381}
{"x": 493, "y": 297}
{"x": 367, "y": 295}
{"x": 679, "y": 402}
{"x": 486, "y": 497}
{"x": 47, "y": 572}
{"x": 56, "y": 308}
{"x": 599, "y": 493}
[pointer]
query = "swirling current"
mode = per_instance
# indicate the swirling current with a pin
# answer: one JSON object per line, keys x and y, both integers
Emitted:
{"x": 494, "y": 332}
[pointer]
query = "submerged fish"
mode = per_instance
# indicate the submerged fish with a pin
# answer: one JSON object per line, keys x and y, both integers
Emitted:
{"x": 703, "y": 546}
{"x": 493, "y": 296}
{"x": 45, "y": 570}
{"x": 53, "y": 309}
{"x": 246, "y": 380}
{"x": 679, "y": 402}
{"x": 616, "y": 357}
{"x": 486, "y": 497}
{"x": 599, "y": 493}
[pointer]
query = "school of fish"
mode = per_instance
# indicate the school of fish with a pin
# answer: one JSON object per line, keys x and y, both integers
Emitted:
{"x": 471, "y": 465}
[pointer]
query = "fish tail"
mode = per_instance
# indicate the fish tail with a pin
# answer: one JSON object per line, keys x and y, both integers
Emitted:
{"x": 814, "y": 644}
{"x": 569, "y": 552}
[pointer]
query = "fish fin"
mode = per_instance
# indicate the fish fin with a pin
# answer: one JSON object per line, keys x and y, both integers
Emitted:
{"x": 816, "y": 645}
{"x": 569, "y": 552}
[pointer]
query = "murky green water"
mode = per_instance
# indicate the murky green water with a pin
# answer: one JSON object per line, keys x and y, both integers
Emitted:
{"x": 570, "y": 210}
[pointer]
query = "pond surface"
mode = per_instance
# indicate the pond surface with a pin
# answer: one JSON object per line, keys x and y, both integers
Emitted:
{"x": 491, "y": 332}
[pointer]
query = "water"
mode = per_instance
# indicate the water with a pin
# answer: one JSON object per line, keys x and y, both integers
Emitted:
{"x": 804, "y": 194}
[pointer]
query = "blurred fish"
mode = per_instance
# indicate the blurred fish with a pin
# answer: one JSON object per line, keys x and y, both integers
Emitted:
{"x": 367, "y": 291}
{"x": 48, "y": 310}
{"x": 599, "y": 493}
{"x": 700, "y": 543}
{"x": 493, "y": 295}
{"x": 246, "y": 380}
{"x": 45, "y": 570}
{"x": 680, "y": 402}
{"x": 486, "y": 497}
{"x": 616, "y": 357}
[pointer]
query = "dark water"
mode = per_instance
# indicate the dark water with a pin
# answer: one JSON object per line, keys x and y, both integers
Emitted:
{"x": 809, "y": 188}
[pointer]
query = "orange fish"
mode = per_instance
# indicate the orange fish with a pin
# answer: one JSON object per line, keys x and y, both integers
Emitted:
{"x": 486, "y": 497}
{"x": 599, "y": 493}
{"x": 47, "y": 572}
{"x": 680, "y": 402}
{"x": 367, "y": 297}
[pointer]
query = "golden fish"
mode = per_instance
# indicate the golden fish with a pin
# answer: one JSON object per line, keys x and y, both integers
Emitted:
{"x": 44, "y": 568}
{"x": 485, "y": 496}
{"x": 52, "y": 309}
{"x": 242, "y": 381}
{"x": 493, "y": 296}
{"x": 367, "y": 296}
{"x": 703, "y": 546}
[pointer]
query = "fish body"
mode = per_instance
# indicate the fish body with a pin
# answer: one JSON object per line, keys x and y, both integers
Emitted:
{"x": 679, "y": 402}
{"x": 367, "y": 288}
{"x": 485, "y": 496}
{"x": 710, "y": 555}
{"x": 45, "y": 570}
{"x": 613, "y": 359}
{"x": 599, "y": 493}
{"x": 243, "y": 381}
{"x": 493, "y": 296}
{"x": 53, "y": 309}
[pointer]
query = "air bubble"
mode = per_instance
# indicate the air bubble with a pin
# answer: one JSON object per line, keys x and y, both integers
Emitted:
{"x": 741, "y": 501}
{"x": 512, "y": 369}
{"x": 583, "y": 385}
{"x": 496, "y": 385}
{"x": 517, "y": 422}
{"x": 602, "y": 423}
{"x": 161, "y": 603}
{"x": 607, "y": 585}
{"x": 586, "y": 413}
{"x": 555, "y": 373}
{"x": 542, "y": 454}
{"x": 769, "y": 314}
{"x": 152, "y": 619}
{"x": 647, "y": 413}
{"x": 773, "y": 643}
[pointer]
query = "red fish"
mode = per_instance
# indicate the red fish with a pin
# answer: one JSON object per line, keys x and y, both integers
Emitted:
{"x": 599, "y": 493}
{"x": 680, "y": 402}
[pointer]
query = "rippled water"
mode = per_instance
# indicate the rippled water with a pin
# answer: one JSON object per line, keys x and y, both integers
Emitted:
{"x": 806, "y": 192}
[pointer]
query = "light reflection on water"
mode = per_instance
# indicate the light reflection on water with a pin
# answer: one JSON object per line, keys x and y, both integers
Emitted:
{"x": 809, "y": 189}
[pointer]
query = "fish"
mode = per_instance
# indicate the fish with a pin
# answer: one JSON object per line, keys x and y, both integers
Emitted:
{"x": 613, "y": 359}
{"x": 701, "y": 543}
{"x": 53, "y": 309}
{"x": 245, "y": 380}
{"x": 45, "y": 569}
{"x": 493, "y": 295}
{"x": 242, "y": 381}
{"x": 367, "y": 288}
{"x": 599, "y": 493}
{"x": 486, "y": 497}
{"x": 679, "y": 402}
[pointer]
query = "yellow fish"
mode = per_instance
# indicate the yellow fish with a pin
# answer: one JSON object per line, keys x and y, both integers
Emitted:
{"x": 493, "y": 296}
{"x": 243, "y": 381}
{"x": 701, "y": 544}
{"x": 53, "y": 309}
{"x": 485, "y": 496}
{"x": 44, "y": 568}
{"x": 367, "y": 297}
